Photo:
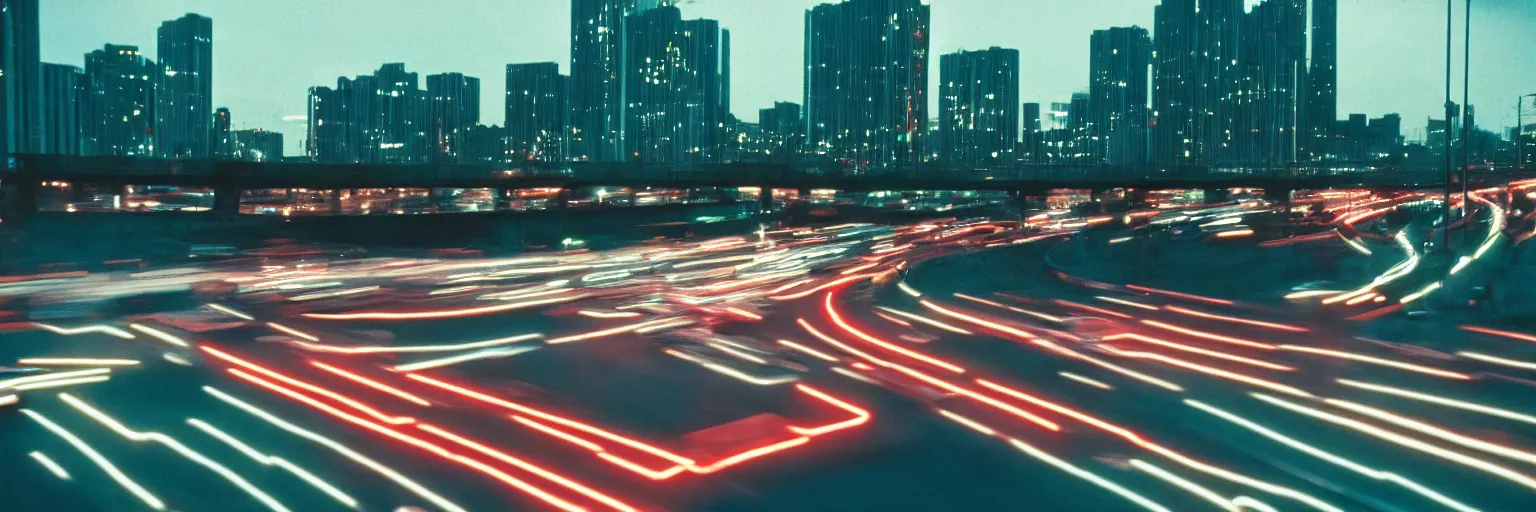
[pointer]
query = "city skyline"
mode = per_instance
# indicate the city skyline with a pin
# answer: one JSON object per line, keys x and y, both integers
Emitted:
{"x": 1380, "y": 58}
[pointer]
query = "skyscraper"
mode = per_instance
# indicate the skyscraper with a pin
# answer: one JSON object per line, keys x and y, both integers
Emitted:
{"x": 222, "y": 144}
{"x": 62, "y": 92}
{"x": 380, "y": 118}
{"x": 782, "y": 128}
{"x": 671, "y": 87}
{"x": 978, "y": 107}
{"x": 21, "y": 81}
{"x": 120, "y": 102}
{"x": 184, "y": 88}
{"x": 536, "y": 113}
{"x": 866, "y": 81}
{"x": 725, "y": 73}
{"x": 1322, "y": 99}
{"x": 597, "y": 76}
{"x": 1273, "y": 71}
{"x": 1119, "y": 60}
{"x": 455, "y": 108}
{"x": 1177, "y": 106}
{"x": 1030, "y": 139}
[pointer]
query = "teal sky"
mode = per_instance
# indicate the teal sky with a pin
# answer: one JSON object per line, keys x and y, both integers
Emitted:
{"x": 268, "y": 52}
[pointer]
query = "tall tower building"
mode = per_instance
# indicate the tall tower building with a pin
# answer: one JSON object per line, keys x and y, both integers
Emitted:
{"x": 866, "y": 81}
{"x": 1030, "y": 140}
{"x": 1273, "y": 61}
{"x": 1322, "y": 99}
{"x": 63, "y": 89}
{"x": 1177, "y": 107}
{"x": 184, "y": 88}
{"x": 672, "y": 87}
{"x": 380, "y": 118}
{"x": 978, "y": 108}
{"x": 120, "y": 102}
{"x": 597, "y": 76}
{"x": 21, "y": 80}
{"x": 1119, "y": 62}
{"x": 725, "y": 73}
{"x": 222, "y": 143}
{"x": 455, "y": 108}
{"x": 536, "y": 113}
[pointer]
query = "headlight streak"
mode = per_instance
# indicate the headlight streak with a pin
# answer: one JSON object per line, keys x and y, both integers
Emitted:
{"x": 838, "y": 319}
{"x": 160, "y": 335}
{"x": 1498, "y": 360}
{"x": 76, "y": 361}
{"x": 376, "y": 385}
{"x": 1404, "y": 441}
{"x": 1086, "y": 380}
{"x": 1210, "y": 336}
{"x": 1438, "y": 400}
{"x": 1216, "y": 372}
{"x": 338, "y": 349}
{"x": 1201, "y": 351}
{"x": 1496, "y": 332}
{"x": 1436, "y": 432}
{"x": 1085, "y": 475}
{"x": 440, "y": 362}
{"x": 478, "y": 466}
{"x": 1399, "y": 271}
{"x": 50, "y": 465}
{"x": 89, "y": 329}
{"x": 1055, "y": 348}
{"x": 348, "y": 453}
{"x": 354, "y": 404}
{"x": 269, "y": 460}
{"x": 1179, "y": 295}
{"x": 60, "y": 383}
{"x": 176, "y": 446}
{"x": 1237, "y": 320}
{"x": 924, "y": 320}
{"x": 1337, "y": 460}
{"x": 452, "y": 313}
{"x": 106, "y": 466}
{"x": 1182, "y": 483}
{"x": 1416, "y": 368}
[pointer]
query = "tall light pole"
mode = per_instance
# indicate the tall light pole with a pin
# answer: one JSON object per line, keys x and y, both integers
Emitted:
{"x": 1466, "y": 115}
{"x": 1449, "y": 115}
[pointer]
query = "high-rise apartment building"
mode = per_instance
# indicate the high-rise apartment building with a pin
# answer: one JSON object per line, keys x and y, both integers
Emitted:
{"x": 184, "y": 88}
{"x": 866, "y": 81}
{"x": 671, "y": 87}
{"x": 63, "y": 90}
{"x": 1119, "y": 63}
{"x": 21, "y": 80}
{"x": 537, "y": 113}
{"x": 782, "y": 130}
{"x": 1273, "y": 60}
{"x": 1322, "y": 95}
{"x": 455, "y": 108}
{"x": 978, "y": 108}
{"x": 380, "y": 118}
{"x": 223, "y": 145}
{"x": 1030, "y": 140}
{"x": 598, "y": 68}
{"x": 120, "y": 102}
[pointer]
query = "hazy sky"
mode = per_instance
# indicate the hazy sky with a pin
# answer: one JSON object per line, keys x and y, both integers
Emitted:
{"x": 268, "y": 52}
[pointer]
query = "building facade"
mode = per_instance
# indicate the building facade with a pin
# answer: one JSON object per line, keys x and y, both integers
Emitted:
{"x": 63, "y": 90}
{"x": 1322, "y": 94}
{"x": 455, "y": 108}
{"x": 978, "y": 108}
{"x": 120, "y": 102}
{"x": 21, "y": 80}
{"x": 184, "y": 88}
{"x": 866, "y": 82}
{"x": 256, "y": 146}
{"x": 672, "y": 88}
{"x": 1119, "y": 117}
{"x": 598, "y": 67}
{"x": 380, "y": 118}
{"x": 223, "y": 145}
{"x": 537, "y": 113}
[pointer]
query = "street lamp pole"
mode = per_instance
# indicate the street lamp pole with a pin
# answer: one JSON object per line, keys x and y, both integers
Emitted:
{"x": 1449, "y": 115}
{"x": 1466, "y": 116}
